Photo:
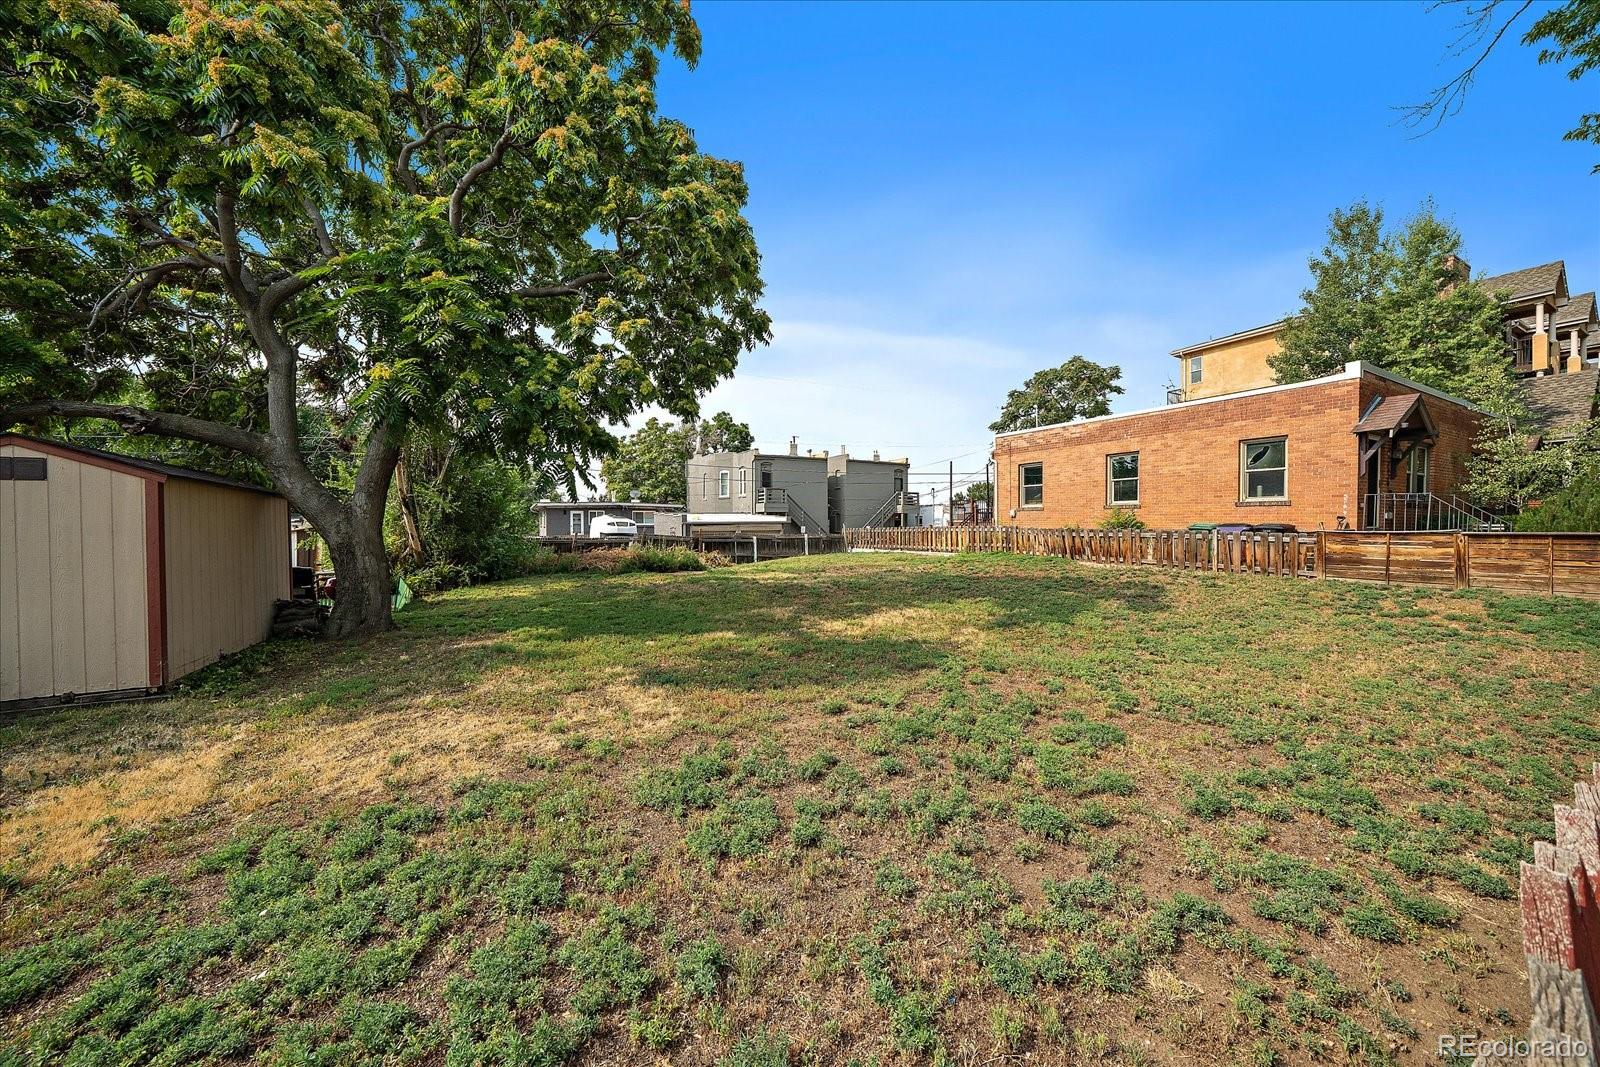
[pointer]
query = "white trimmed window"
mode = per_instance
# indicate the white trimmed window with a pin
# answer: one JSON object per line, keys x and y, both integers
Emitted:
{"x": 1195, "y": 369}
{"x": 1417, "y": 464}
{"x": 1122, "y": 479}
{"x": 744, "y": 482}
{"x": 1030, "y": 483}
{"x": 1264, "y": 469}
{"x": 724, "y": 481}
{"x": 575, "y": 525}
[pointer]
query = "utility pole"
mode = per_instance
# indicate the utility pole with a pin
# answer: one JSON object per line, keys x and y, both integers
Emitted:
{"x": 950, "y": 505}
{"x": 989, "y": 477}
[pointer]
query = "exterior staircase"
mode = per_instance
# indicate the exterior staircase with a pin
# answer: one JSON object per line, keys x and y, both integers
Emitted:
{"x": 897, "y": 504}
{"x": 779, "y": 502}
{"x": 1426, "y": 511}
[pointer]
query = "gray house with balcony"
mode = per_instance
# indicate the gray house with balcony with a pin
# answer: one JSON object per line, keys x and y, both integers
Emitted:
{"x": 869, "y": 492}
{"x": 776, "y": 493}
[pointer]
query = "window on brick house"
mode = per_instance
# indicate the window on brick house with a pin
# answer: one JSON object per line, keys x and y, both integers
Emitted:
{"x": 1122, "y": 479}
{"x": 1264, "y": 469}
{"x": 1417, "y": 464}
{"x": 1030, "y": 480}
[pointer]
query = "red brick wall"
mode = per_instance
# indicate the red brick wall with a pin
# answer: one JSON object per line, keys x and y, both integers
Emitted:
{"x": 1189, "y": 459}
{"x": 1458, "y": 429}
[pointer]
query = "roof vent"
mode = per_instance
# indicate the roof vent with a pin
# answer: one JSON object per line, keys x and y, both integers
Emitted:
{"x": 874, "y": 453}
{"x": 794, "y": 446}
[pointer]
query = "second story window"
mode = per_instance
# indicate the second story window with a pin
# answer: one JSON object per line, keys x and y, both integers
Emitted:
{"x": 1195, "y": 370}
{"x": 1122, "y": 479}
{"x": 1030, "y": 480}
{"x": 744, "y": 482}
{"x": 724, "y": 480}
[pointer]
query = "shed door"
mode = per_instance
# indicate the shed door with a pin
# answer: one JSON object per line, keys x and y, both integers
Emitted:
{"x": 73, "y": 587}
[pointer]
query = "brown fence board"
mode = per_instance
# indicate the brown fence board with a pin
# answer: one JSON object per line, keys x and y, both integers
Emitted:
{"x": 1561, "y": 564}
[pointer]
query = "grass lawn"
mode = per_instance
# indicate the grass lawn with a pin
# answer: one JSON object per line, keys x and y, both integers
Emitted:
{"x": 846, "y": 809}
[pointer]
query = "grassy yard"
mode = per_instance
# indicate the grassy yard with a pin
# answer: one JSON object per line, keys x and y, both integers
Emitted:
{"x": 848, "y": 809}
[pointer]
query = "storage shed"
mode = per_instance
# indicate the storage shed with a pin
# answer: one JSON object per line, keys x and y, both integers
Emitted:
{"x": 119, "y": 575}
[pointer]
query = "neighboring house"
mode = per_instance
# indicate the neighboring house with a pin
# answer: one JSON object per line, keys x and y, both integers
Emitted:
{"x": 1548, "y": 332}
{"x": 864, "y": 493}
{"x": 119, "y": 575}
{"x": 568, "y": 518}
{"x": 1360, "y": 448}
{"x": 1561, "y": 404}
{"x": 758, "y": 492}
{"x": 754, "y": 492}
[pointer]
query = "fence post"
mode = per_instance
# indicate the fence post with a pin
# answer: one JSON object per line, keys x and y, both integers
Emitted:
{"x": 1322, "y": 554}
{"x": 1552, "y": 565}
{"x": 1388, "y": 554}
{"x": 1462, "y": 574}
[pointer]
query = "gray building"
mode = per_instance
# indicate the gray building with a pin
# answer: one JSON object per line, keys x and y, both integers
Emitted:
{"x": 770, "y": 492}
{"x": 869, "y": 492}
{"x": 758, "y": 492}
{"x": 569, "y": 518}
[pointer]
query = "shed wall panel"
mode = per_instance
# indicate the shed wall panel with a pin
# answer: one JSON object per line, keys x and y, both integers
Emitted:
{"x": 72, "y": 579}
{"x": 227, "y": 561}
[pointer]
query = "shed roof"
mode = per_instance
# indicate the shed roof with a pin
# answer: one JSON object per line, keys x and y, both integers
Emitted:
{"x": 133, "y": 464}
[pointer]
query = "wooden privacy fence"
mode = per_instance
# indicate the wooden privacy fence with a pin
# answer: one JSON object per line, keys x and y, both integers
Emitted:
{"x": 1561, "y": 935}
{"x": 1286, "y": 554}
{"x": 1566, "y": 564}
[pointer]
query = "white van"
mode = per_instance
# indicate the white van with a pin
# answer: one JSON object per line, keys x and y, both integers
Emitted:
{"x": 613, "y": 527}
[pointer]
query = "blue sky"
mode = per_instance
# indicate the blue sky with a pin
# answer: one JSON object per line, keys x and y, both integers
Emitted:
{"x": 950, "y": 196}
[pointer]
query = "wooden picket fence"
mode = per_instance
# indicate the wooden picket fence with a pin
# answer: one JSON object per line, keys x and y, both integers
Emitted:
{"x": 1560, "y": 894}
{"x": 1288, "y": 555}
{"x": 1566, "y": 564}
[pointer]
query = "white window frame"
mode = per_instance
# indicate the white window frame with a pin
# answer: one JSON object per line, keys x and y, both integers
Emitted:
{"x": 1022, "y": 485}
{"x": 575, "y": 526}
{"x": 1196, "y": 369}
{"x": 744, "y": 481}
{"x": 705, "y": 486}
{"x": 1419, "y": 461}
{"x": 724, "y": 484}
{"x": 1112, "y": 480}
{"x": 1245, "y": 472}
{"x": 644, "y": 518}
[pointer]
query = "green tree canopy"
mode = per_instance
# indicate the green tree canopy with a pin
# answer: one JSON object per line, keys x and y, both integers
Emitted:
{"x": 432, "y": 214}
{"x": 1402, "y": 301}
{"x": 651, "y": 462}
{"x": 1077, "y": 389}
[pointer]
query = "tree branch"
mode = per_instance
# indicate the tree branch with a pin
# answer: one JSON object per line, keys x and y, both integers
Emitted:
{"x": 402, "y": 162}
{"x": 570, "y": 287}
{"x": 121, "y": 294}
{"x": 1448, "y": 98}
{"x": 140, "y": 420}
{"x": 474, "y": 172}
{"x": 319, "y": 226}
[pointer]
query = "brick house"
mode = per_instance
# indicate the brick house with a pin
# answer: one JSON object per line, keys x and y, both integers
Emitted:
{"x": 1320, "y": 454}
{"x": 1548, "y": 332}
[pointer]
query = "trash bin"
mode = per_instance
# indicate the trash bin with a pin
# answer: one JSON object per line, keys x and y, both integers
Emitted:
{"x": 1202, "y": 527}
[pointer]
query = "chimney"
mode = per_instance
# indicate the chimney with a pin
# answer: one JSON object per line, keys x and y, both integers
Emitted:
{"x": 874, "y": 453}
{"x": 824, "y": 453}
{"x": 794, "y": 446}
{"x": 843, "y": 451}
{"x": 1458, "y": 269}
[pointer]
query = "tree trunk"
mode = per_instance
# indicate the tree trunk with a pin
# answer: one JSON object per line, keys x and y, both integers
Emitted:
{"x": 362, "y": 601}
{"x": 415, "y": 549}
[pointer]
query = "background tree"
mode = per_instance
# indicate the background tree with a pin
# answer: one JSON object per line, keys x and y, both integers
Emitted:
{"x": 1337, "y": 322}
{"x": 1402, "y": 301}
{"x": 1077, "y": 389}
{"x": 422, "y": 215}
{"x": 1567, "y": 33}
{"x": 651, "y": 462}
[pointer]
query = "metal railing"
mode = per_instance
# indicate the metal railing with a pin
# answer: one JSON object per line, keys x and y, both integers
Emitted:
{"x": 898, "y": 503}
{"x": 1425, "y": 511}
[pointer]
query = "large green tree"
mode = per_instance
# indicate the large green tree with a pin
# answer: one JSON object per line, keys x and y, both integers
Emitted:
{"x": 1337, "y": 321}
{"x": 432, "y": 215}
{"x": 651, "y": 461}
{"x": 1400, "y": 300}
{"x": 1077, "y": 389}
